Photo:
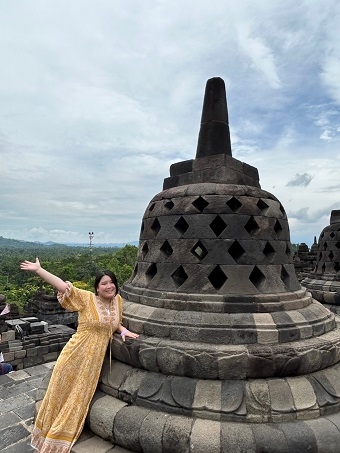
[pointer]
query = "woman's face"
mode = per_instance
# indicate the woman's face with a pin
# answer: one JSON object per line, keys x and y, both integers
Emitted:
{"x": 106, "y": 288}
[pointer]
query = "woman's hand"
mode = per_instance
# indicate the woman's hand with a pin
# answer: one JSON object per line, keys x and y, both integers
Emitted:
{"x": 29, "y": 266}
{"x": 126, "y": 333}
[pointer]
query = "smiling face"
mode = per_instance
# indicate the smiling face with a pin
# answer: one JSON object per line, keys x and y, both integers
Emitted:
{"x": 106, "y": 288}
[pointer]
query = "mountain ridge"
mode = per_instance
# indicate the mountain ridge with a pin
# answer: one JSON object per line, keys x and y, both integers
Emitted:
{"x": 15, "y": 243}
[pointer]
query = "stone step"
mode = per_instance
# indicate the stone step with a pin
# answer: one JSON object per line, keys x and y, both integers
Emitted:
{"x": 90, "y": 443}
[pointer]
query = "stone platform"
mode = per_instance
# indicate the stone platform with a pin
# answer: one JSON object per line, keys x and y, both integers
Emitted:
{"x": 17, "y": 400}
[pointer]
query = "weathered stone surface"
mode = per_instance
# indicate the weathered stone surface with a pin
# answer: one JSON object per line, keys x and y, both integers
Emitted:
{"x": 176, "y": 434}
{"x": 13, "y": 435}
{"x": 228, "y": 336}
{"x": 127, "y": 427}
{"x": 102, "y": 415}
{"x": 151, "y": 431}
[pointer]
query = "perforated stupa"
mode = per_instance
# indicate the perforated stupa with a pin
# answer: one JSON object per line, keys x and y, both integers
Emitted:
{"x": 233, "y": 354}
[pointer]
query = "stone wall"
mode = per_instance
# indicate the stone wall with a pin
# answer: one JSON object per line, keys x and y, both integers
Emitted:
{"x": 34, "y": 349}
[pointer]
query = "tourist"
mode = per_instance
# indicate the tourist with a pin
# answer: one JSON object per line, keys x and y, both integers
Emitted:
{"x": 74, "y": 379}
{"x": 4, "y": 367}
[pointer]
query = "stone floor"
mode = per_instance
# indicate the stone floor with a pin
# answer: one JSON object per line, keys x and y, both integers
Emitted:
{"x": 17, "y": 400}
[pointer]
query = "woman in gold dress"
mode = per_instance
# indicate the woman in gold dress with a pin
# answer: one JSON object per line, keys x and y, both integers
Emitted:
{"x": 62, "y": 413}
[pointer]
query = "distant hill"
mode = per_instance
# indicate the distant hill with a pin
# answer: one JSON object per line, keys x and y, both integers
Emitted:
{"x": 18, "y": 244}
{"x": 106, "y": 245}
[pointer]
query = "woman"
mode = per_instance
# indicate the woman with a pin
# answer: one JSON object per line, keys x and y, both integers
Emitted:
{"x": 62, "y": 414}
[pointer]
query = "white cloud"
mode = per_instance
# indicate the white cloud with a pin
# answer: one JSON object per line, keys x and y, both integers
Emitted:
{"x": 97, "y": 100}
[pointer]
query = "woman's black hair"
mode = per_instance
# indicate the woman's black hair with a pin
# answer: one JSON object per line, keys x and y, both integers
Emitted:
{"x": 100, "y": 275}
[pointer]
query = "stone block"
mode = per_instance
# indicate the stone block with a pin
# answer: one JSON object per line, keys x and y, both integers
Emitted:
{"x": 181, "y": 167}
{"x": 299, "y": 437}
{"x": 269, "y": 438}
{"x": 9, "y": 356}
{"x": 236, "y": 438}
{"x": 32, "y": 352}
{"x": 12, "y": 323}
{"x": 50, "y": 356}
{"x": 129, "y": 387}
{"x": 13, "y": 435}
{"x": 281, "y": 396}
{"x": 93, "y": 444}
{"x": 183, "y": 391}
{"x": 327, "y": 434}
{"x": 127, "y": 427}
{"x": 53, "y": 347}
{"x": 151, "y": 432}
{"x": 303, "y": 393}
{"x": 102, "y": 414}
{"x": 207, "y": 396}
{"x": 42, "y": 350}
{"x": 205, "y": 436}
{"x": 8, "y": 336}
{"x": 234, "y": 365}
{"x": 176, "y": 434}
{"x": 32, "y": 361}
{"x": 20, "y": 354}
{"x": 258, "y": 399}
{"x": 30, "y": 319}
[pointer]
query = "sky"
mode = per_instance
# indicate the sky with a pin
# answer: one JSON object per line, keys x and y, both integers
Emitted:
{"x": 99, "y": 98}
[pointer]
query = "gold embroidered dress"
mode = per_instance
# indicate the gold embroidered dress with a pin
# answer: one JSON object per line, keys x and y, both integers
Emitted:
{"x": 62, "y": 413}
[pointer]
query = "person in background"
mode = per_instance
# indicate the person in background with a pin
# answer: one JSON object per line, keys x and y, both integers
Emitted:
{"x": 74, "y": 379}
{"x": 4, "y": 367}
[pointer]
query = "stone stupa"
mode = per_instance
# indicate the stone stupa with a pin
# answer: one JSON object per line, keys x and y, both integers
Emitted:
{"x": 233, "y": 354}
{"x": 324, "y": 281}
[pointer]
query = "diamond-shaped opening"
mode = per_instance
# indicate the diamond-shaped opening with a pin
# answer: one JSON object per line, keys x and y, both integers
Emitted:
{"x": 200, "y": 204}
{"x": 331, "y": 255}
{"x": 323, "y": 268}
{"x": 277, "y": 227}
{"x": 217, "y": 277}
{"x": 151, "y": 272}
{"x": 337, "y": 245}
{"x": 169, "y": 205}
{"x": 284, "y": 276}
{"x": 236, "y": 250}
{"x": 257, "y": 278}
{"x": 234, "y": 204}
{"x": 145, "y": 250}
{"x": 181, "y": 225}
{"x": 332, "y": 234}
{"x": 282, "y": 209}
{"x": 199, "y": 251}
{"x": 337, "y": 266}
{"x": 288, "y": 249}
{"x": 166, "y": 249}
{"x": 179, "y": 276}
{"x": 218, "y": 225}
{"x": 268, "y": 251}
{"x": 251, "y": 226}
{"x": 325, "y": 245}
{"x": 263, "y": 207}
{"x": 155, "y": 227}
{"x": 152, "y": 206}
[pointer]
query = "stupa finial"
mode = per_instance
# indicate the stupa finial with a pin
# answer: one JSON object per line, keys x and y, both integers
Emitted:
{"x": 214, "y": 135}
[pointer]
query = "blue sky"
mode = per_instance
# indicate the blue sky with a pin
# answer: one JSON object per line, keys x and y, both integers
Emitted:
{"x": 98, "y": 99}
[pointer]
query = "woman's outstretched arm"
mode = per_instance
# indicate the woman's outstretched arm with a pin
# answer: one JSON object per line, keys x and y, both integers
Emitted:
{"x": 53, "y": 280}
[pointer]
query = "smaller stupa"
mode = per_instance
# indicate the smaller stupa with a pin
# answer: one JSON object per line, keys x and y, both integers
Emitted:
{"x": 324, "y": 281}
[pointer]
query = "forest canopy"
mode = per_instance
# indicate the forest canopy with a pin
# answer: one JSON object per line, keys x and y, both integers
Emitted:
{"x": 76, "y": 264}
